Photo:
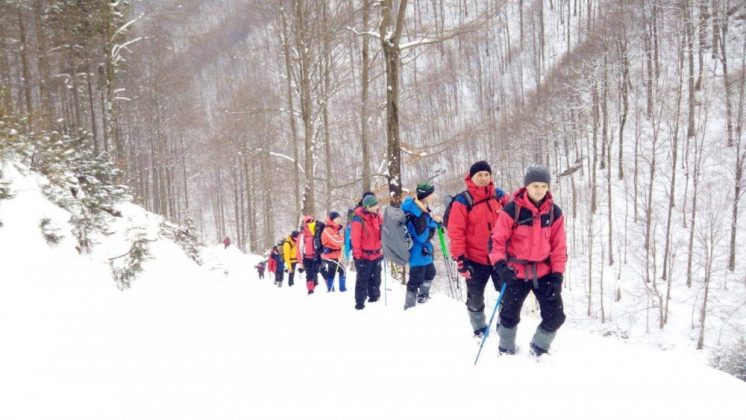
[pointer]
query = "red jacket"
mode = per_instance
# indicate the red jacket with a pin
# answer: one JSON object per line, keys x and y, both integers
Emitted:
{"x": 304, "y": 242}
{"x": 533, "y": 239}
{"x": 332, "y": 239}
{"x": 469, "y": 231}
{"x": 366, "y": 235}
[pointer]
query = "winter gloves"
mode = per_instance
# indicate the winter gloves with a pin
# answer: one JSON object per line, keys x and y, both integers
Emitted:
{"x": 464, "y": 268}
{"x": 503, "y": 271}
{"x": 555, "y": 277}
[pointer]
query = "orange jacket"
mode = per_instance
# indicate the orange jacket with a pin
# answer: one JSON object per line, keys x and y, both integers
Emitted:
{"x": 332, "y": 239}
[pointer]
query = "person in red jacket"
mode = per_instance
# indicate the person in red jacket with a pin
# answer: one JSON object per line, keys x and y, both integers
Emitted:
{"x": 332, "y": 239}
{"x": 367, "y": 251}
{"x": 529, "y": 253}
{"x": 307, "y": 257}
{"x": 469, "y": 232}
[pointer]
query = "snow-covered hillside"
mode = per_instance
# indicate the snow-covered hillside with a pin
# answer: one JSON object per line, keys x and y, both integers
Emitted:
{"x": 215, "y": 342}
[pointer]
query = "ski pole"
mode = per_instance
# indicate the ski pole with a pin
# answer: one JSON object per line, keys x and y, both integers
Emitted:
{"x": 492, "y": 317}
{"x": 446, "y": 257}
{"x": 385, "y": 284}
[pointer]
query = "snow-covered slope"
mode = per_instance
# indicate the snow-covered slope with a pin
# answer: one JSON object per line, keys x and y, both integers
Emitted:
{"x": 215, "y": 342}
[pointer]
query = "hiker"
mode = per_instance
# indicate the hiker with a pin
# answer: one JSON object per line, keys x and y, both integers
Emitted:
{"x": 348, "y": 230}
{"x": 276, "y": 256}
{"x": 421, "y": 225}
{"x": 227, "y": 242}
{"x": 332, "y": 240}
{"x": 260, "y": 269}
{"x": 366, "y": 250}
{"x": 307, "y": 256}
{"x": 529, "y": 252}
{"x": 289, "y": 253}
{"x": 471, "y": 218}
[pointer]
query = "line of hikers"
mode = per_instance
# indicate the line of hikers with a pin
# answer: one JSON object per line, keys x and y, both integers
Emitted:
{"x": 518, "y": 240}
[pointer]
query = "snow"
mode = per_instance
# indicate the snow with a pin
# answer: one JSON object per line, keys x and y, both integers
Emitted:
{"x": 215, "y": 342}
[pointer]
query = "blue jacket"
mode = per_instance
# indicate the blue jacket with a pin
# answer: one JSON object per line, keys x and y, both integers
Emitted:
{"x": 421, "y": 227}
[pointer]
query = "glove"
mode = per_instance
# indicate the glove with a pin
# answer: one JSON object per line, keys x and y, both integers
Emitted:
{"x": 503, "y": 271}
{"x": 300, "y": 269}
{"x": 499, "y": 193}
{"x": 464, "y": 268}
{"x": 555, "y": 277}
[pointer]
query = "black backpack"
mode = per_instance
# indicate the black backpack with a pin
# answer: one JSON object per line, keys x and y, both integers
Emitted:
{"x": 469, "y": 201}
{"x": 317, "y": 246}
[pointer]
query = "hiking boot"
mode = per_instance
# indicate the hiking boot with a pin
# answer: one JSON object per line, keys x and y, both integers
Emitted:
{"x": 480, "y": 333}
{"x": 537, "y": 351}
{"x": 423, "y": 298}
{"x": 310, "y": 292}
{"x": 359, "y": 306}
{"x": 506, "y": 352}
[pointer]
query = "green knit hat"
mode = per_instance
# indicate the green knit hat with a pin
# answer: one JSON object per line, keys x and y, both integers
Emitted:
{"x": 369, "y": 201}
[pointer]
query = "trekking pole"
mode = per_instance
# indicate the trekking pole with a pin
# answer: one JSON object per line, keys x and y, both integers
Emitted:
{"x": 385, "y": 284}
{"x": 447, "y": 262}
{"x": 492, "y": 317}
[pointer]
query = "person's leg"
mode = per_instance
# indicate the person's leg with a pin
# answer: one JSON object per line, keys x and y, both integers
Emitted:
{"x": 291, "y": 275}
{"x": 516, "y": 291}
{"x": 363, "y": 268}
{"x": 416, "y": 278}
{"x": 549, "y": 296}
{"x": 475, "y": 298}
{"x": 423, "y": 293}
{"x": 374, "y": 282}
{"x": 310, "y": 274}
{"x": 342, "y": 278}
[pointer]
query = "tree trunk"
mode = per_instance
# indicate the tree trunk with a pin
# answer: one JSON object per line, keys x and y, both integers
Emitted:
{"x": 365, "y": 76}
{"x": 291, "y": 114}
{"x": 390, "y": 44}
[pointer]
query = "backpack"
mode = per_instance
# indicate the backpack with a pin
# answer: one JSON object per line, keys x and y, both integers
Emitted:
{"x": 395, "y": 237}
{"x": 317, "y": 246}
{"x": 449, "y": 200}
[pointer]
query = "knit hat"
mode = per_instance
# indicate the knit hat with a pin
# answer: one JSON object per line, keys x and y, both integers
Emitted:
{"x": 333, "y": 215}
{"x": 369, "y": 201}
{"x": 479, "y": 167}
{"x": 537, "y": 173}
{"x": 294, "y": 234}
{"x": 424, "y": 189}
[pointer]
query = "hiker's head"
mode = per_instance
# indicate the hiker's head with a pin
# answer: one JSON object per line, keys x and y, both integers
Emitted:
{"x": 481, "y": 173}
{"x": 370, "y": 203}
{"x": 537, "y": 180}
{"x": 425, "y": 192}
{"x": 335, "y": 217}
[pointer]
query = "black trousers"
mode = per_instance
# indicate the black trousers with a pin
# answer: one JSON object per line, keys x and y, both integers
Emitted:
{"x": 480, "y": 275}
{"x": 312, "y": 270}
{"x": 419, "y": 275}
{"x": 368, "y": 280}
{"x": 548, "y": 294}
{"x": 291, "y": 273}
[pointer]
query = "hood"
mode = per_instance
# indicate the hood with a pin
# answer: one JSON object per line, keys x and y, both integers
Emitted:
{"x": 410, "y": 206}
{"x": 521, "y": 198}
{"x": 479, "y": 193}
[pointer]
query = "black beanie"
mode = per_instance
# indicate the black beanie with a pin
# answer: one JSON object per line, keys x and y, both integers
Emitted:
{"x": 333, "y": 215}
{"x": 424, "y": 189}
{"x": 479, "y": 167}
{"x": 537, "y": 174}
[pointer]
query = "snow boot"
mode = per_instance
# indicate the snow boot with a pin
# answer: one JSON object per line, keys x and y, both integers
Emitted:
{"x": 507, "y": 338}
{"x": 342, "y": 284}
{"x": 542, "y": 341}
{"x": 478, "y": 321}
{"x": 424, "y": 292}
{"x": 409, "y": 300}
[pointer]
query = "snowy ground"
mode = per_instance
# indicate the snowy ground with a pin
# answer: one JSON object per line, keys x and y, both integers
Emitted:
{"x": 215, "y": 342}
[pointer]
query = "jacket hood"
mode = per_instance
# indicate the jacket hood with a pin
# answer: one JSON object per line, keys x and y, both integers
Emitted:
{"x": 410, "y": 206}
{"x": 521, "y": 198}
{"x": 479, "y": 193}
